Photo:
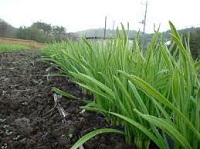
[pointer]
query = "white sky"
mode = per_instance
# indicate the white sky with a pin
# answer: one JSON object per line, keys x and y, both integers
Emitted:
{"x": 76, "y": 15}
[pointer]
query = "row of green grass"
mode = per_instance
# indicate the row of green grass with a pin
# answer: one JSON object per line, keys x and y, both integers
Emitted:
{"x": 10, "y": 47}
{"x": 153, "y": 93}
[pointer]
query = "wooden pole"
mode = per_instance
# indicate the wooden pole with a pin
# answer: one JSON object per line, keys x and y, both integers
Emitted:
{"x": 104, "y": 35}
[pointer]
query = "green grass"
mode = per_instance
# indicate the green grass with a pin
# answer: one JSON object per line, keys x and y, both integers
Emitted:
{"x": 9, "y": 47}
{"x": 141, "y": 90}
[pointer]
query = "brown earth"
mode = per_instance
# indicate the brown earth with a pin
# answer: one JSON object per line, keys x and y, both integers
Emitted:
{"x": 27, "y": 120}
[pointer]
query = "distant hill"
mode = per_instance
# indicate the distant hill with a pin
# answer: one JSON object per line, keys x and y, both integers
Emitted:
{"x": 7, "y": 30}
{"x": 99, "y": 33}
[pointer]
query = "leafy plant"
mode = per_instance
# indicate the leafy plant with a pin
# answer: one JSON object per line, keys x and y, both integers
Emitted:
{"x": 154, "y": 95}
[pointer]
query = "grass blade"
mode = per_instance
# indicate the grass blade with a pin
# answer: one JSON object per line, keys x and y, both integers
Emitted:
{"x": 90, "y": 135}
{"x": 167, "y": 127}
{"x": 58, "y": 91}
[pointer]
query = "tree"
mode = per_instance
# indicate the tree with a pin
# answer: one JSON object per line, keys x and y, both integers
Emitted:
{"x": 195, "y": 43}
{"x": 43, "y": 32}
{"x": 6, "y": 30}
{"x": 59, "y": 33}
{"x": 46, "y": 28}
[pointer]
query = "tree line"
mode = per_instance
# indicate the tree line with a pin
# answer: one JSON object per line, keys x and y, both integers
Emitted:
{"x": 43, "y": 32}
{"x": 38, "y": 31}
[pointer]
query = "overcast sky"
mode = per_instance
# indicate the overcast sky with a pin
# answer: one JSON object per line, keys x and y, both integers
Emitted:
{"x": 76, "y": 15}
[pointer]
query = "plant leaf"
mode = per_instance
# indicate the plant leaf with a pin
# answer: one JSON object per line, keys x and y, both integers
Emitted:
{"x": 90, "y": 135}
{"x": 63, "y": 93}
{"x": 167, "y": 127}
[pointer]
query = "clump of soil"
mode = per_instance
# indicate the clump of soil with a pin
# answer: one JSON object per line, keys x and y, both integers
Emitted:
{"x": 27, "y": 120}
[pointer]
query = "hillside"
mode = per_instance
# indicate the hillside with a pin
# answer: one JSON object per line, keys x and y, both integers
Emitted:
{"x": 7, "y": 30}
{"x": 99, "y": 33}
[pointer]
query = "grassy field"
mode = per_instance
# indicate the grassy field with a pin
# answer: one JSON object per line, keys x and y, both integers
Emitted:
{"x": 11, "y": 45}
{"x": 8, "y": 47}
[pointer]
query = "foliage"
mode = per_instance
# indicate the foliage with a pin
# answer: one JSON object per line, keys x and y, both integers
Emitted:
{"x": 194, "y": 38}
{"x": 43, "y": 32}
{"x": 6, "y": 30}
{"x": 192, "y": 34}
{"x": 154, "y": 94}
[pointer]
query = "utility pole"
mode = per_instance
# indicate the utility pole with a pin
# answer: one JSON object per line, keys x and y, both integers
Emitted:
{"x": 113, "y": 27}
{"x": 128, "y": 29}
{"x": 144, "y": 24}
{"x": 104, "y": 35}
{"x": 145, "y": 17}
{"x": 113, "y": 30}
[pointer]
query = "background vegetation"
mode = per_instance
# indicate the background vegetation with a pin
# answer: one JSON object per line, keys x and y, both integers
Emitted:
{"x": 38, "y": 31}
{"x": 42, "y": 32}
{"x": 7, "y": 30}
{"x": 46, "y": 33}
{"x": 194, "y": 40}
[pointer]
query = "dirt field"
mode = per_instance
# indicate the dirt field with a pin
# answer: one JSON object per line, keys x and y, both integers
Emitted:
{"x": 26, "y": 100}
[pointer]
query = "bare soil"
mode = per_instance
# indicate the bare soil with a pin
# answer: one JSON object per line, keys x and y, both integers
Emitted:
{"x": 27, "y": 120}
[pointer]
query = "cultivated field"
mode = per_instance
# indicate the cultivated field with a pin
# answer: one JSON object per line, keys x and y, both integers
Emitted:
{"x": 29, "y": 43}
{"x": 101, "y": 95}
